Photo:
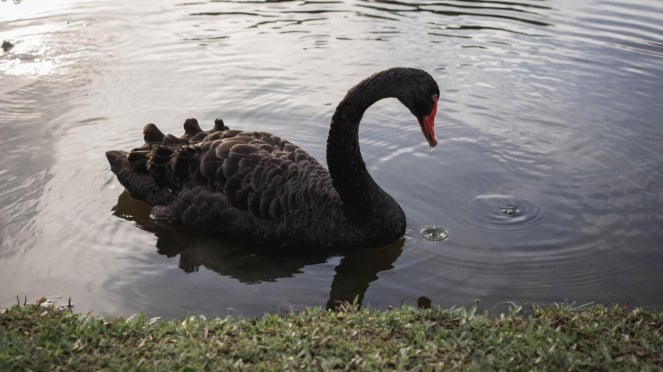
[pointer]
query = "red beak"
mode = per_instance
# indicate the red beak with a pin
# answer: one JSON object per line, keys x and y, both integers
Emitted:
{"x": 427, "y": 124}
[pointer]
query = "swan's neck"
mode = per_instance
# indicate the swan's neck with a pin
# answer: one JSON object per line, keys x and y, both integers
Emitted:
{"x": 357, "y": 189}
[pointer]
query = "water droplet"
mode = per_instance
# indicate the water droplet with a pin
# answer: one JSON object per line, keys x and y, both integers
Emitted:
{"x": 434, "y": 233}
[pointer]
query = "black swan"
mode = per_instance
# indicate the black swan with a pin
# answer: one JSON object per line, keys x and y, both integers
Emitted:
{"x": 258, "y": 188}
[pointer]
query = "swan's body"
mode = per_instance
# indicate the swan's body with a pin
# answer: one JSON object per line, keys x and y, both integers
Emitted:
{"x": 259, "y": 188}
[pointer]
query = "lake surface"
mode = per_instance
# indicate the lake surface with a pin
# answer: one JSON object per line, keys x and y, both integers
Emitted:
{"x": 548, "y": 175}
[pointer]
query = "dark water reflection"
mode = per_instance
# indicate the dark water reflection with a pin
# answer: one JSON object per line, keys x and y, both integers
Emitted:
{"x": 354, "y": 273}
{"x": 548, "y": 175}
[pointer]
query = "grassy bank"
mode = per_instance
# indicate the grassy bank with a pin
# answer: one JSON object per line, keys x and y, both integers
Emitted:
{"x": 551, "y": 338}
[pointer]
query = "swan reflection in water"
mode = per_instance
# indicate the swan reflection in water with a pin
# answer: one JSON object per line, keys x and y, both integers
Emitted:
{"x": 356, "y": 270}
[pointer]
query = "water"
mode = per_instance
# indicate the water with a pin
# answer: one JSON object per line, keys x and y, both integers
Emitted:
{"x": 548, "y": 175}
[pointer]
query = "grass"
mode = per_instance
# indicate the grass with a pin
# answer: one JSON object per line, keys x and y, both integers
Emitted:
{"x": 33, "y": 337}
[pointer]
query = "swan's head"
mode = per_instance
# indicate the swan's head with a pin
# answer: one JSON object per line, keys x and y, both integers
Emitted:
{"x": 420, "y": 95}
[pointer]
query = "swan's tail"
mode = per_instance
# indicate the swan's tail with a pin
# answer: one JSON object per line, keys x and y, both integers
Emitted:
{"x": 157, "y": 171}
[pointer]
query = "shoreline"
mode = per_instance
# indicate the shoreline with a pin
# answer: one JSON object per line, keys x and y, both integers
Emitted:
{"x": 552, "y": 337}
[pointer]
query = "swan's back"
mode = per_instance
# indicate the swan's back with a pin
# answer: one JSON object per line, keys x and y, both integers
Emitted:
{"x": 247, "y": 186}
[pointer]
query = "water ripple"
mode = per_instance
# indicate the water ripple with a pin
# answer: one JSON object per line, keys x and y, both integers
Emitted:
{"x": 633, "y": 27}
{"x": 503, "y": 214}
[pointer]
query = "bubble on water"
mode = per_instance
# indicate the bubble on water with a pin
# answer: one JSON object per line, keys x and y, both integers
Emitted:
{"x": 510, "y": 210}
